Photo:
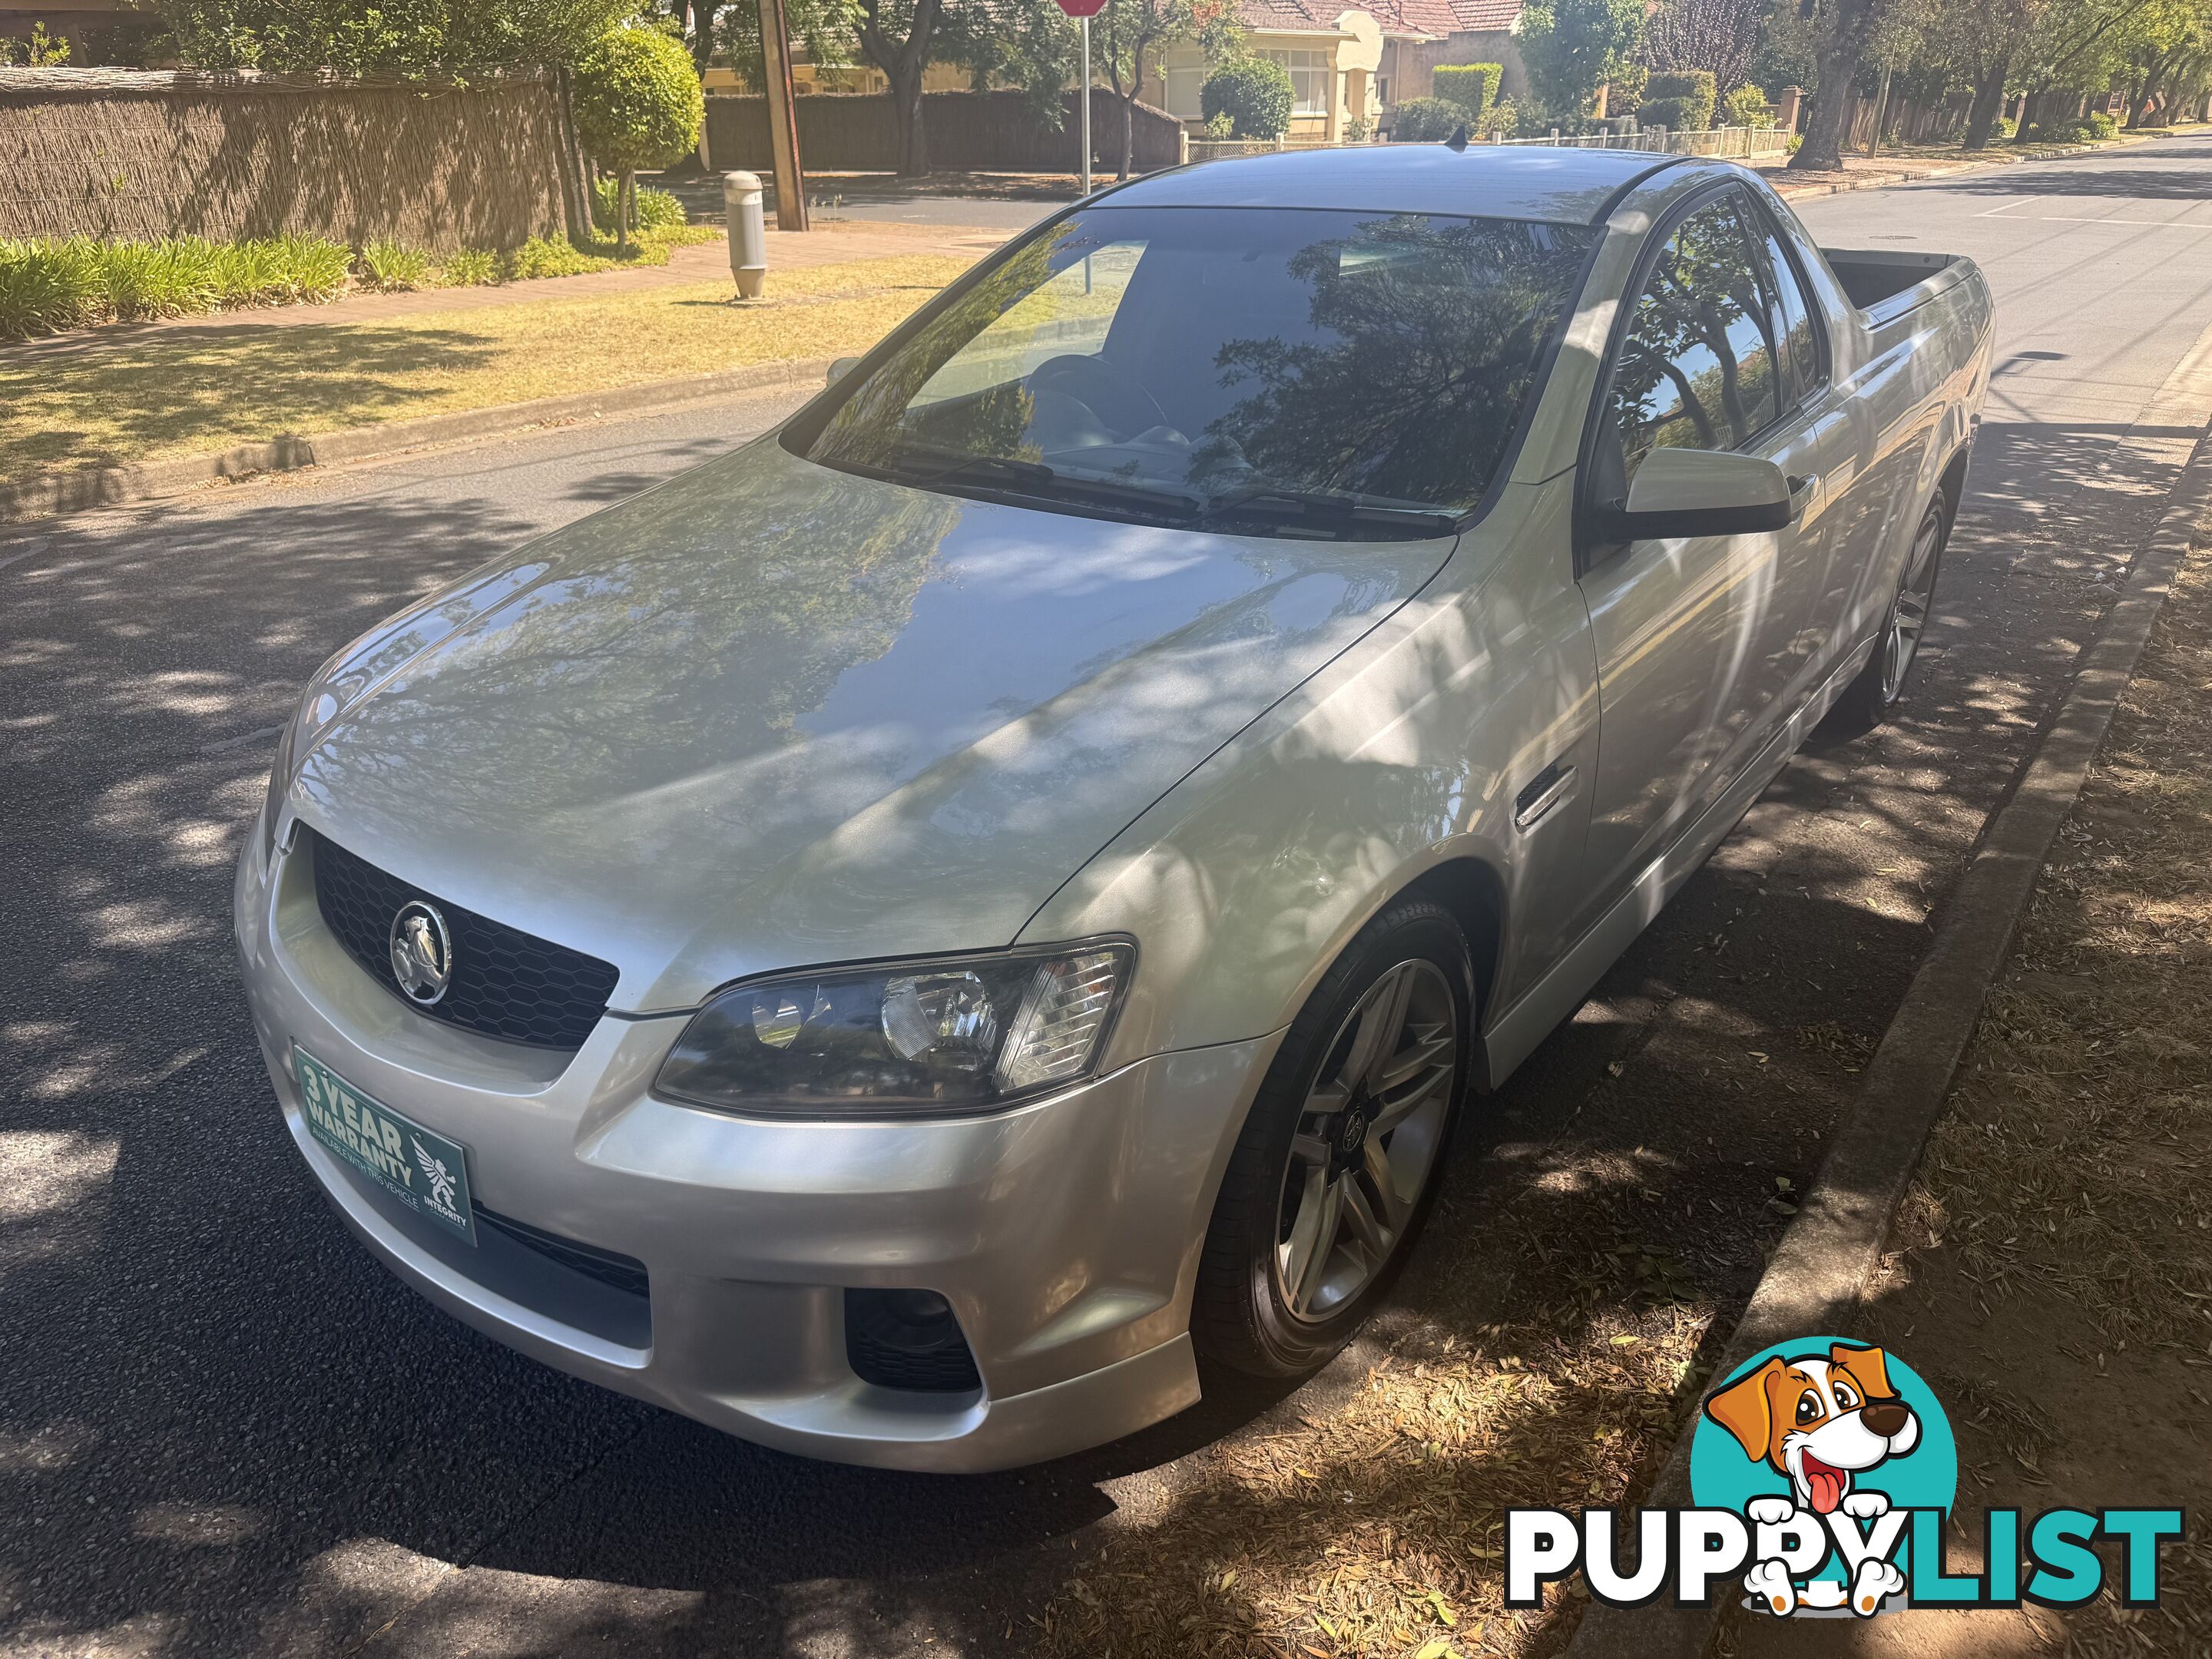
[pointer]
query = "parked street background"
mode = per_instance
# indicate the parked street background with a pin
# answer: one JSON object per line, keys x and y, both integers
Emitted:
{"x": 223, "y": 1429}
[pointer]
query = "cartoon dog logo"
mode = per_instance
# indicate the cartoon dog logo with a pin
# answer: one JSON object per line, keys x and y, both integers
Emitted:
{"x": 1821, "y": 1420}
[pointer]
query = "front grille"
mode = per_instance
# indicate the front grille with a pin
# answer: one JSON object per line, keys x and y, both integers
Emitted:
{"x": 623, "y": 1273}
{"x": 507, "y": 983}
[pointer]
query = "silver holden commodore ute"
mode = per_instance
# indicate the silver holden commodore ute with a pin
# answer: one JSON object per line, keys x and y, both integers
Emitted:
{"x": 906, "y": 941}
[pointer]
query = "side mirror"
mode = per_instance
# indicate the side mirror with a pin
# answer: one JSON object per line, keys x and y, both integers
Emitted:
{"x": 839, "y": 368}
{"x": 1703, "y": 492}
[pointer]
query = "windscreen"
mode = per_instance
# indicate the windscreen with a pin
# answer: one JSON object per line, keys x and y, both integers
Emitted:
{"x": 1267, "y": 370}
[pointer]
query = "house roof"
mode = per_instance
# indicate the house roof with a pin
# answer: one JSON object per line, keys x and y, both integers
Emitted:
{"x": 1432, "y": 17}
{"x": 1479, "y": 17}
{"x": 1435, "y": 18}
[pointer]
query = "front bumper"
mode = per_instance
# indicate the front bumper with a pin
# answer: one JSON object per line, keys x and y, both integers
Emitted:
{"x": 1065, "y": 1233}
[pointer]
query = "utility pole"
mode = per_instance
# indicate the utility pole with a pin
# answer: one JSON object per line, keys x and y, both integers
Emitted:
{"x": 782, "y": 118}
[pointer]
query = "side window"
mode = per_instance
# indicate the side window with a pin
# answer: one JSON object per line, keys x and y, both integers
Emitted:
{"x": 1699, "y": 366}
{"x": 1801, "y": 348}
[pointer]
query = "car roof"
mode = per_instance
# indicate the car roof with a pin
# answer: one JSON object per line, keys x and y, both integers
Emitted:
{"x": 1502, "y": 181}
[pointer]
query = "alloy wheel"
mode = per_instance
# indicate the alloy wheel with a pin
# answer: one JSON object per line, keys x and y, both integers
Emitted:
{"x": 1908, "y": 616}
{"x": 1367, "y": 1139}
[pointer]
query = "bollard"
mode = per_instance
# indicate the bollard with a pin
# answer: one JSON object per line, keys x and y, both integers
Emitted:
{"x": 741, "y": 207}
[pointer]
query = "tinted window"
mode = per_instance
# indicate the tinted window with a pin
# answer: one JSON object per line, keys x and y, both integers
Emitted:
{"x": 1290, "y": 369}
{"x": 1801, "y": 351}
{"x": 1698, "y": 366}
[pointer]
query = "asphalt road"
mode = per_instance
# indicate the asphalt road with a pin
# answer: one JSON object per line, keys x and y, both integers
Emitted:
{"x": 224, "y": 1431}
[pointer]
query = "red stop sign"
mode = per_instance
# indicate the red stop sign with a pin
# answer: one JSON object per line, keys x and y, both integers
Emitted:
{"x": 1083, "y": 8}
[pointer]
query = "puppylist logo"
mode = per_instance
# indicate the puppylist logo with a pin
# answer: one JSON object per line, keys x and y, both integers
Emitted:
{"x": 1821, "y": 1473}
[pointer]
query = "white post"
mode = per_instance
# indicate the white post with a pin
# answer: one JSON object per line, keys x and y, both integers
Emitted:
{"x": 1086, "y": 106}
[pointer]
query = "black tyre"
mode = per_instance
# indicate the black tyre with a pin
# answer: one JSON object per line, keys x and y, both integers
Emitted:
{"x": 1338, "y": 1164}
{"x": 1881, "y": 685}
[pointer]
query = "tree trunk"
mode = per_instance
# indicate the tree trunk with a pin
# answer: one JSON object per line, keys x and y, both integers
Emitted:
{"x": 1128, "y": 112}
{"x": 906, "y": 118}
{"x": 902, "y": 65}
{"x": 702, "y": 34}
{"x": 625, "y": 209}
{"x": 1836, "y": 67}
{"x": 1988, "y": 105}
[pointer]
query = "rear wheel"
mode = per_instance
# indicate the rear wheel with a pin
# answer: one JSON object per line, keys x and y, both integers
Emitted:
{"x": 1339, "y": 1162}
{"x": 1879, "y": 687}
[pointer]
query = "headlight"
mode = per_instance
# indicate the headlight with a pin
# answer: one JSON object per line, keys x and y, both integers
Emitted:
{"x": 952, "y": 1035}
{"x": 317, "y": 707}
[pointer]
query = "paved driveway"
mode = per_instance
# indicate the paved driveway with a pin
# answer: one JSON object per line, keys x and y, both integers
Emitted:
{"x": 224, "y": 1431}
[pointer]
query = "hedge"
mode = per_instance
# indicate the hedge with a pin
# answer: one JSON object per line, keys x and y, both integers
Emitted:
{"x": 1690, "y": 91}
{"x": 1471, "y": 87}
{"x": 1425, "y": 120}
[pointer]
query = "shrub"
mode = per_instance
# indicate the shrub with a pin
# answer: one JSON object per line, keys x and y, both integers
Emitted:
{"x": 1746, "y": 107}
{"x": 46, "y": 287}
{"x": 1675, "y": 114}
{"x": 1425, "y": 120}
{"x": 1254, "y": 93}
{"x": 2005, "y": 127}
{"x": 39, "y": 50}
{"x": 547, "y": 256}
{"x": 390, "y": 267}
{"x": 1472, "y": 87}
{"x": 1220, "y": 125}
{"x": 470, "y": 267}
{"x": 1692, "y": 89}
{"x": 2102, "y": 125}
{"x": 298, "y": 270}
{"x": 651, "y": 209}
{"x": 638, "y": 105}
{"x": 1505, "y": 116}
{"x": 175, "y": 277}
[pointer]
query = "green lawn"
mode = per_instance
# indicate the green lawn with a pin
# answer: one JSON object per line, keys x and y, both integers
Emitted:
{"x": 202, "y": 388}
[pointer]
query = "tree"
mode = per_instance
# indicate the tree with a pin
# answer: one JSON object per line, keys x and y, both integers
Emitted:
{"x": 638, "y": 105}
{"x": 1836, "y": 67}
{"x": 826, "y": 28}
{"x": 1720, "y": 36}
{"x": 1572, "y": 47}
{"x": 429, "y": 39}
{"x": 1129, "y": 33}
{"x": 1031, "y": 46}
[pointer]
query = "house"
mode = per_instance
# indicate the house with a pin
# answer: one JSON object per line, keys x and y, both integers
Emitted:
{"x": 1348, "y": 65}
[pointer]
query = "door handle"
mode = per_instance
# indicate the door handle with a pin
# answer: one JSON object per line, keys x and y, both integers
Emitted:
{"x": 1545, "y": 791}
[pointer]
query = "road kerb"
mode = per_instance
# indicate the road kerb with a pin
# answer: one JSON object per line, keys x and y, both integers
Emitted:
{"x": 1832, "y": 1248}
{"x": 56, "y": 494}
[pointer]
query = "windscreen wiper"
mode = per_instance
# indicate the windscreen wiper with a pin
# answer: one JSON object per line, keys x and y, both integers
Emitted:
{"x": 1036, "y": 481}
{"x": 1330, "y": 509}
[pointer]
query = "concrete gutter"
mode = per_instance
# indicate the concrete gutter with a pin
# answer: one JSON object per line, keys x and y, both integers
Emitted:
{"x": 1832, "y": 1251}
{"x": 54, "y": 494}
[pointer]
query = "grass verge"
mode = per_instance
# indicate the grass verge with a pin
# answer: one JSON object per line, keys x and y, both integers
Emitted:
{"x": 185, "y": 390}
{"x": 2061, "y": 1214}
